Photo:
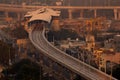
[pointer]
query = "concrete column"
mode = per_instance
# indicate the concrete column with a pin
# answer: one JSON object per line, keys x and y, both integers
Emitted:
{"x": 6, "y": 14}
{"x": 95, "y": 13}
{"x": 119, "y": 14}
{"x": 55, "y": 24}
{"x": 22, "y": 15}
{"x": 81, "y": 13}
{"x": 115, "y": 14}
{"x": 70, "y": 13}
{"x": 18, "y": 16}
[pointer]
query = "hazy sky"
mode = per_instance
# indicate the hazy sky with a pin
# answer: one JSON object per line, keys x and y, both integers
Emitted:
{"x": 70, "y": 2}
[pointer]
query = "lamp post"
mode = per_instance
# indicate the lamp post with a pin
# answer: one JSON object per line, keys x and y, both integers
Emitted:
{"x": 111, "y": 71}
{"x": 9, "y": 57}
{"x": 111, "y": 67}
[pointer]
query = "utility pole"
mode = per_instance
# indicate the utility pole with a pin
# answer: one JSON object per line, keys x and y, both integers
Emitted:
{"x": 111, "y": 65}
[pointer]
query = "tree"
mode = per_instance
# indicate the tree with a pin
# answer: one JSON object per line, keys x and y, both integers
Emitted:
{"x": 6, "y": 53}
{"x": 78, "y": 77}
{"x": 25, "y": 70}
{"x": 19, "y": 33}
{"x": 116, "y": 72}
{"x": 62, "y": 34}
{"x": 6, "y": 30}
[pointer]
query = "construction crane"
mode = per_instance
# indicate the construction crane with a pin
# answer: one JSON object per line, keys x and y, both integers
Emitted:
{"x": 91, "y": 28}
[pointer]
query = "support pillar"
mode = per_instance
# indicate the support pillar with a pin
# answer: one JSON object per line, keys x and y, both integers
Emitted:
{"x": 56, "y": 23}
{"x": 95, "y": 13}
{"x": 7, "y": 18}
{"x": 119, "y": 14}
{"x": 70, "y": 13}
{"x": 81, "y": 13}
{"x": 18, "y": 16}
{"x": 22, "y": 15}
{"x": 6, "y": 14}
{"x": 115, "y": 14}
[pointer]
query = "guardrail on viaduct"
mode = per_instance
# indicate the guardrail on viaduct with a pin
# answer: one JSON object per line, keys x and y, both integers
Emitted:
{"x": 40, "y": 42}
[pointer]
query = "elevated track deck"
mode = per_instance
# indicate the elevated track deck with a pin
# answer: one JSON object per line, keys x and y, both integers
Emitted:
{"x": 38, "y": 39}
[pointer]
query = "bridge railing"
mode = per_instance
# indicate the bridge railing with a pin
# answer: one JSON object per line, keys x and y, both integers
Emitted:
{"x": 85, "y": 66}
{"x": 59, "y": 7}
{"x": 75, "y": 65}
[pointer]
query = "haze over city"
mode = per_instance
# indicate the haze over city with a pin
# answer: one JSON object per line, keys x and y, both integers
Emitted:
{"x": 67, "y": 2}
{"x": 59, "y": 39}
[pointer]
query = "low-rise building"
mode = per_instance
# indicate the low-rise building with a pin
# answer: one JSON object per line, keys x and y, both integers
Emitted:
{"x": 24, "y": 46}
{"x": 117, "y": 43}
{"x": 1, "y": 69}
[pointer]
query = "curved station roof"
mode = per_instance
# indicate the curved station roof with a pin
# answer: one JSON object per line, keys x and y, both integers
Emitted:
{"x": 44, "y": 14}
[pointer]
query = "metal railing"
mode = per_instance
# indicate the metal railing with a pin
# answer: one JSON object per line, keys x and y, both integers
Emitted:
{"x": 59, "y": 7}
{"x": 40, "y": 42}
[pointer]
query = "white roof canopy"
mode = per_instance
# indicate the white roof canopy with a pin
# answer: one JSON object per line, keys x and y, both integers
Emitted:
{"x": 31, "y": 13}
{"x": 44, "y": 14}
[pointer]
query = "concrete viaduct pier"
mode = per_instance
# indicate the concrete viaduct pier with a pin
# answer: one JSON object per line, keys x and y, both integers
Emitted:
{"x": 19, "y": 10}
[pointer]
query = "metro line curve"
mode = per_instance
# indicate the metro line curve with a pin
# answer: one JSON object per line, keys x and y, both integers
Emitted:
{"x": 38, "y": 39}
